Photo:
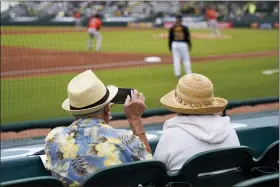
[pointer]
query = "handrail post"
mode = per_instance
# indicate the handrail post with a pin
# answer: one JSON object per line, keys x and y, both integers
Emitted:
{"x": 224, "y": 112}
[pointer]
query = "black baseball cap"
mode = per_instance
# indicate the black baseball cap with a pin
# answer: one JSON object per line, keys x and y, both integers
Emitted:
{"x": 179, "y": 16}
{"x": 97, "y": 15}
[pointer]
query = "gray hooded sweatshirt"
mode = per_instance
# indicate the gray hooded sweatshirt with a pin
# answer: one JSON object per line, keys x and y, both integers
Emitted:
{"x": 185, "y": 136}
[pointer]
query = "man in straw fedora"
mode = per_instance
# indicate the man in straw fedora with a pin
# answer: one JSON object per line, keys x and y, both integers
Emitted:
{"x": 197, "y": 127}
{"x": 89, "y": 143}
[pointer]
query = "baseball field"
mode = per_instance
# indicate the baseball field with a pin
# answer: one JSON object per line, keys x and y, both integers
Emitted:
{"x": 38, "y": 62}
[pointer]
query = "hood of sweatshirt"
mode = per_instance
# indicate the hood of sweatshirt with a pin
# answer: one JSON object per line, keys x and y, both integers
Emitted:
{"x": 209, "y": 128}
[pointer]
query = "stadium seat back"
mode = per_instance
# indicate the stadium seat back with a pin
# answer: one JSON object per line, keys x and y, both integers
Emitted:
{"x": 220, "y": 167}
{"x": 258, "y": 139}
{"x": 131, "y": 174}
{"x": 21, "y": 168}
{"x": 45, "y": 181}
{"x": 270, "y": 157}
{"x": 266, "y": 180}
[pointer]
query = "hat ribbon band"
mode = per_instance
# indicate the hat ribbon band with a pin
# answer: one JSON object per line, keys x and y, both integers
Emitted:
{"x": 101, "y": 101}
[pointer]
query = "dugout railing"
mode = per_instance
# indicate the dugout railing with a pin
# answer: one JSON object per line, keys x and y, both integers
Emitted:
{"x": 52, "y": 123}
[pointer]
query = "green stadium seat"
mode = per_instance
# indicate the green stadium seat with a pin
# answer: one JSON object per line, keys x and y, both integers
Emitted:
{"x": 270, "y": 157}
{"x": 45, "y": 181}
{"x": 267, "y": 181}
{"x": 148, "y": 172}
{"x": 258, "y": 139}
{"x": 220, "y": 167}
{"x": 22, "y": 168}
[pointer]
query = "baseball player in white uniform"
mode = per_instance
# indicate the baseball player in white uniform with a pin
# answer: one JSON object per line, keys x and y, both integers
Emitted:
{"x": 180, "y": 45}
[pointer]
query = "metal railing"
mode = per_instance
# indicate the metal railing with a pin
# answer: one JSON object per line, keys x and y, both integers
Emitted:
{"x": 52, "y": 123}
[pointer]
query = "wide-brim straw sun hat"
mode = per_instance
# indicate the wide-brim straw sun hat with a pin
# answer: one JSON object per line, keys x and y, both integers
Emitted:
{"x": 194, "y": 94}
{"x": 87, "y": 94}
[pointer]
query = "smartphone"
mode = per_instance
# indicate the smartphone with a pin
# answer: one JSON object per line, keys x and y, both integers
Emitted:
{"x": 121, "y": 95}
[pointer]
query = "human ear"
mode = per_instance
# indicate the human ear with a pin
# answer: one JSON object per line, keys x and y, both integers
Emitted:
{"x": 107, "y": 110}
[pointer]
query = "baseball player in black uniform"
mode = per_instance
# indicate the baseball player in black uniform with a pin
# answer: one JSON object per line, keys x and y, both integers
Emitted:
{"x": 180, "y": 45}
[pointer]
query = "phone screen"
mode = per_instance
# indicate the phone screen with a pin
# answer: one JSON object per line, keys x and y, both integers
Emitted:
{"x": 121, "y": 95}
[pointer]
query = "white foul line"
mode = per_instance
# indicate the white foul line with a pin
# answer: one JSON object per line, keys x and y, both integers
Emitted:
{"x": 270, "y": 71}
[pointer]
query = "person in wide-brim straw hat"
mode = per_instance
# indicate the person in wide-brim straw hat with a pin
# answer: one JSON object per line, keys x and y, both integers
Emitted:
{"x": 196, "y": 127}
{"x": 90, "y": 140}
{"x": 193, "y": 95}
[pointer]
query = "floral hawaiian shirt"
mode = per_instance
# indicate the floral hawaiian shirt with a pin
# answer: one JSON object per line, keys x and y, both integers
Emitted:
{"x": 73, "y": 153}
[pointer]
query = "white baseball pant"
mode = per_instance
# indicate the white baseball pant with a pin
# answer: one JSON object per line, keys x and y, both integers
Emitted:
{"x": 180, "y": 51}
{"x": 78, "y": 23}
{"x": 213, "y": 27}
{"x": 94, "y": 33}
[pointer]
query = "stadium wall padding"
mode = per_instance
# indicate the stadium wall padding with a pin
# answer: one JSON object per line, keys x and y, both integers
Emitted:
{"x": 244, "y": 21}
{"x": 52, "y": 123}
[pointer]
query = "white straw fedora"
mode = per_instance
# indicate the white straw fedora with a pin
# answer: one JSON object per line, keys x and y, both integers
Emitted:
{"x": 86, "y": 94}
{"x": 194, "y": 95}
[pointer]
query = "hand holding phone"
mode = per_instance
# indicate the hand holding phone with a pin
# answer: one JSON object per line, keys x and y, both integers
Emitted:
{"x": 134, "y": 106}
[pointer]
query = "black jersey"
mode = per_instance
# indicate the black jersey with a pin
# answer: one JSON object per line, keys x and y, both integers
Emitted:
{"x": 179, "y": 33}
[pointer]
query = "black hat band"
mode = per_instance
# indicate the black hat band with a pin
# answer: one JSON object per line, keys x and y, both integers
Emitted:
{"x": 101, "y": 101}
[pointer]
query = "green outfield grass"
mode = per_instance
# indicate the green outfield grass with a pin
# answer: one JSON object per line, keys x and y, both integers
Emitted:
{"x": 41, "y": 97}
{"x": 139, "y": 41}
